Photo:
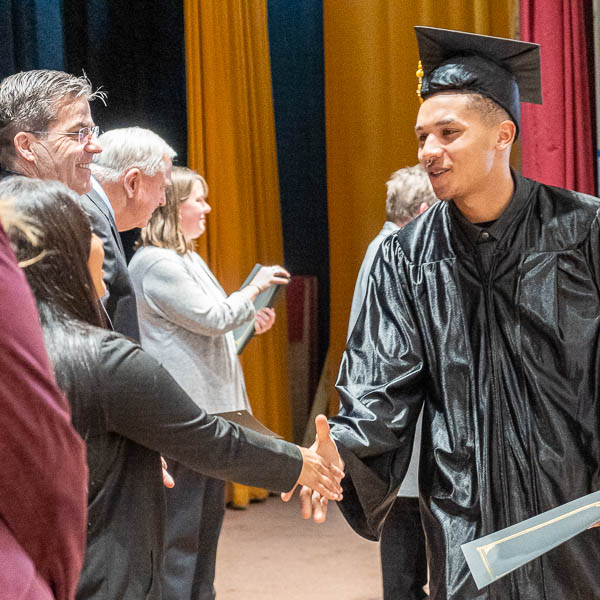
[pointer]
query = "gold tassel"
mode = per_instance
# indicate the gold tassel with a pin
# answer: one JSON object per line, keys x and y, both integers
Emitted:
{"x": 420, "y": 78}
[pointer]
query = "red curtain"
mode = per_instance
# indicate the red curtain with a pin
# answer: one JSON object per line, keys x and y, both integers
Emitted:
{"x": 557, "y": 142}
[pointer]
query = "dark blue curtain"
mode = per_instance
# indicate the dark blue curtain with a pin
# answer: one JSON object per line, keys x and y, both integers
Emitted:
{"x": 297, "y": 70}
{"x": 135, "y": 50}
{"x": 31, "y": 35}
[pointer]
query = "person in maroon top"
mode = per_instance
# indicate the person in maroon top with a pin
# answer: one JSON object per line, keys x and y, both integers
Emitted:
{"x": 43, "y": 494}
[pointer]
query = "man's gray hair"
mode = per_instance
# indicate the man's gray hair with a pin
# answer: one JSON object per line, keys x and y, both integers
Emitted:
{"x": 129, "y": 147}
{"x": 30, "y": 101}
{"x": 407, "y": 189}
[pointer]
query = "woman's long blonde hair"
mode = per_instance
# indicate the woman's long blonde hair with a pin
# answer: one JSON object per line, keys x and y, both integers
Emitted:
{"x": 163, "y": 228}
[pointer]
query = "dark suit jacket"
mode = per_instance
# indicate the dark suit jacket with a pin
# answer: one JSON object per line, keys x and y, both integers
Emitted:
{"x": 120, "y": 305}
{"x": 131, "y": 411}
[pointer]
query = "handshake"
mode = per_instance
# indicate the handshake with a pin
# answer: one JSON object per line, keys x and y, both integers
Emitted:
{"x": 322, "y": 472}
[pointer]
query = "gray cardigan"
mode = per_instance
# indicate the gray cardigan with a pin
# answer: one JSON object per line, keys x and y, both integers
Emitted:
{"x": 186, "y": 322}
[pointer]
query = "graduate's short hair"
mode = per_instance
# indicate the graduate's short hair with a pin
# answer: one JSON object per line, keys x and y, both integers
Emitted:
{"x": 407, "y": 189}
{"x": 491, "y": 112}
{"x": 30, "y": 101}
{"x": 163, "y": 228}
{"x": 126, "y": 148}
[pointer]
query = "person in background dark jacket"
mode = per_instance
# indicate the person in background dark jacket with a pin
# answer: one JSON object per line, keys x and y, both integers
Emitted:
{"x": 129, "y": 409}
{"x": 402, "y": 542}
{"x": 43, "y": 494}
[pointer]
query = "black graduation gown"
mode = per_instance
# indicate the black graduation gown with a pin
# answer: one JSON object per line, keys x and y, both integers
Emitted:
{"x": 506, "y": 366}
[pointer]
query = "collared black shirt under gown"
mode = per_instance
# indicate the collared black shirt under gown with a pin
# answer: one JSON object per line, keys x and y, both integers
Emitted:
{"x": 504, "y": 356}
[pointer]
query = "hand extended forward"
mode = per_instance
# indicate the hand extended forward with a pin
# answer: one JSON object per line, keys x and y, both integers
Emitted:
{"x": 313, "y": 498}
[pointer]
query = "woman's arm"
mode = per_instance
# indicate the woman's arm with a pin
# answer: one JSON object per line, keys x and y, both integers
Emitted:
{"x": 173, "y": 293}
{"x": 144, "y": 403}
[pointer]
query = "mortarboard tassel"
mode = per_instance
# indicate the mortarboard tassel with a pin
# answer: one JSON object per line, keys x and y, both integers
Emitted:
{"x": 420, "y": 78}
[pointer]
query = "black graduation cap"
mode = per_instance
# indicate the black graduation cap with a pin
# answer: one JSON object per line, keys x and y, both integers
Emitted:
{"x": 506, "y": 71}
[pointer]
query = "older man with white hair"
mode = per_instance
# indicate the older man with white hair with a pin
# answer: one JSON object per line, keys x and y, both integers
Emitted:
{"x": 128, "y": 183}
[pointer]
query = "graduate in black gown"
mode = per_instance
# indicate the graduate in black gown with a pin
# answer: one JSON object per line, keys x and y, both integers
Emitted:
{"x": 485, "y": 311}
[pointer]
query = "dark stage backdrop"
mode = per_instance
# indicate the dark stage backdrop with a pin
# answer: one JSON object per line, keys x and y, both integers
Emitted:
{"x": 134, "y": 50}
{"x": 297, "y": 72}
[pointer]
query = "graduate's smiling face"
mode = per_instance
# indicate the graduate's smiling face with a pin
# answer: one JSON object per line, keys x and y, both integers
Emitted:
{"x": 456, "y": 147}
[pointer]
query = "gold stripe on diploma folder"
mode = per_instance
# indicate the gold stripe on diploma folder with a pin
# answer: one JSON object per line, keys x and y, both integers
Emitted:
{"x": 497, "y": 554}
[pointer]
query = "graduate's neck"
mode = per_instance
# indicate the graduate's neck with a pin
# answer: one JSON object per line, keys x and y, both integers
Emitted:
{"x": 489, "y": 201}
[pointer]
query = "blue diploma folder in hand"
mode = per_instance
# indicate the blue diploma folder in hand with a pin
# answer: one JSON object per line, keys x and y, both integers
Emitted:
{"x": 243, "y": 334}
{"x": 495, "y": 555}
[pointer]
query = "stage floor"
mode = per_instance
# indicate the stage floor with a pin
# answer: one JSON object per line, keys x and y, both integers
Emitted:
{"x": 268, "y": 552}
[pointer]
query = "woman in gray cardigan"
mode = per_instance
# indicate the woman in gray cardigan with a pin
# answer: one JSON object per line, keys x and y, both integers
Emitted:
{"x": 186, "y": 322}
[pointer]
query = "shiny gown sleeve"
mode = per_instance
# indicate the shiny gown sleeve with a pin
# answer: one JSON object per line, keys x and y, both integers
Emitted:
{"x": 591, "y": 249}
{"x": 381, "y": 386}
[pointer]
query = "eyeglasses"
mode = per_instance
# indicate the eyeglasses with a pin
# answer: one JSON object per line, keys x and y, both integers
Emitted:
{"x": 85, "y": 134}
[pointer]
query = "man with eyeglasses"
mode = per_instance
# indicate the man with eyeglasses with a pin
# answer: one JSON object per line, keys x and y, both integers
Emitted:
{"x": 46, "y": 127}
{"x": 46, "y": 131}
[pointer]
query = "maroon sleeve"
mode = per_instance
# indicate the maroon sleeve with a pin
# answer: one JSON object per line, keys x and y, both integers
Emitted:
{"x": 43, "y": 492}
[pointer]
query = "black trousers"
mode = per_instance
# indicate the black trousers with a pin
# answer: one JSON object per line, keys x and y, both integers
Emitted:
{"x": 195, "y": 512}
{"x": 403, "y": 555}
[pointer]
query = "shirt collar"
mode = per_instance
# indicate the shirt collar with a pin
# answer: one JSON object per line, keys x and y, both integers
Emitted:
{"x": 100, "y": 191}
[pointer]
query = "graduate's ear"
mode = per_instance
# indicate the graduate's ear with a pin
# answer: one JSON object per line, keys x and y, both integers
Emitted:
{"x": 23, "y": 142}
{"x": 507, "y": 131}
{"x": 131, "y": 182}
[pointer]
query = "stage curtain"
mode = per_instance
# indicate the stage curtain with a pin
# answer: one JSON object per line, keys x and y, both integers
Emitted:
{"x": 31, "y": 36}
{"x": 231, "y": 141}
{"x": 557, "y": 135}
{"x": 371, "y": 107}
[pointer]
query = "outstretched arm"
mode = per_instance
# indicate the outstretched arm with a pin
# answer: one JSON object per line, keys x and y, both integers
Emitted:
{"x": 312, "y": 501}
{"x": 206, "y": 443}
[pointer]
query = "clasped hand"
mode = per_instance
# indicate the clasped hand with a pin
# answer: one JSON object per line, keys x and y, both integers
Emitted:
{"x": 322, "y": 471}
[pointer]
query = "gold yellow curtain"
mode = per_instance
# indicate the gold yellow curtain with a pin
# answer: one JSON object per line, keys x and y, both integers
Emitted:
{"x": 371, "y": 106}
{"x": 232, "y": 142}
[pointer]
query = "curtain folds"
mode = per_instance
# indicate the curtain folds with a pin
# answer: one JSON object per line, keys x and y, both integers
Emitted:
{"x": 31, "y": 36}
{"x": 558, "y": 135}
{"x": 232, "y": 143}
{"x": 371, "y": 107}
